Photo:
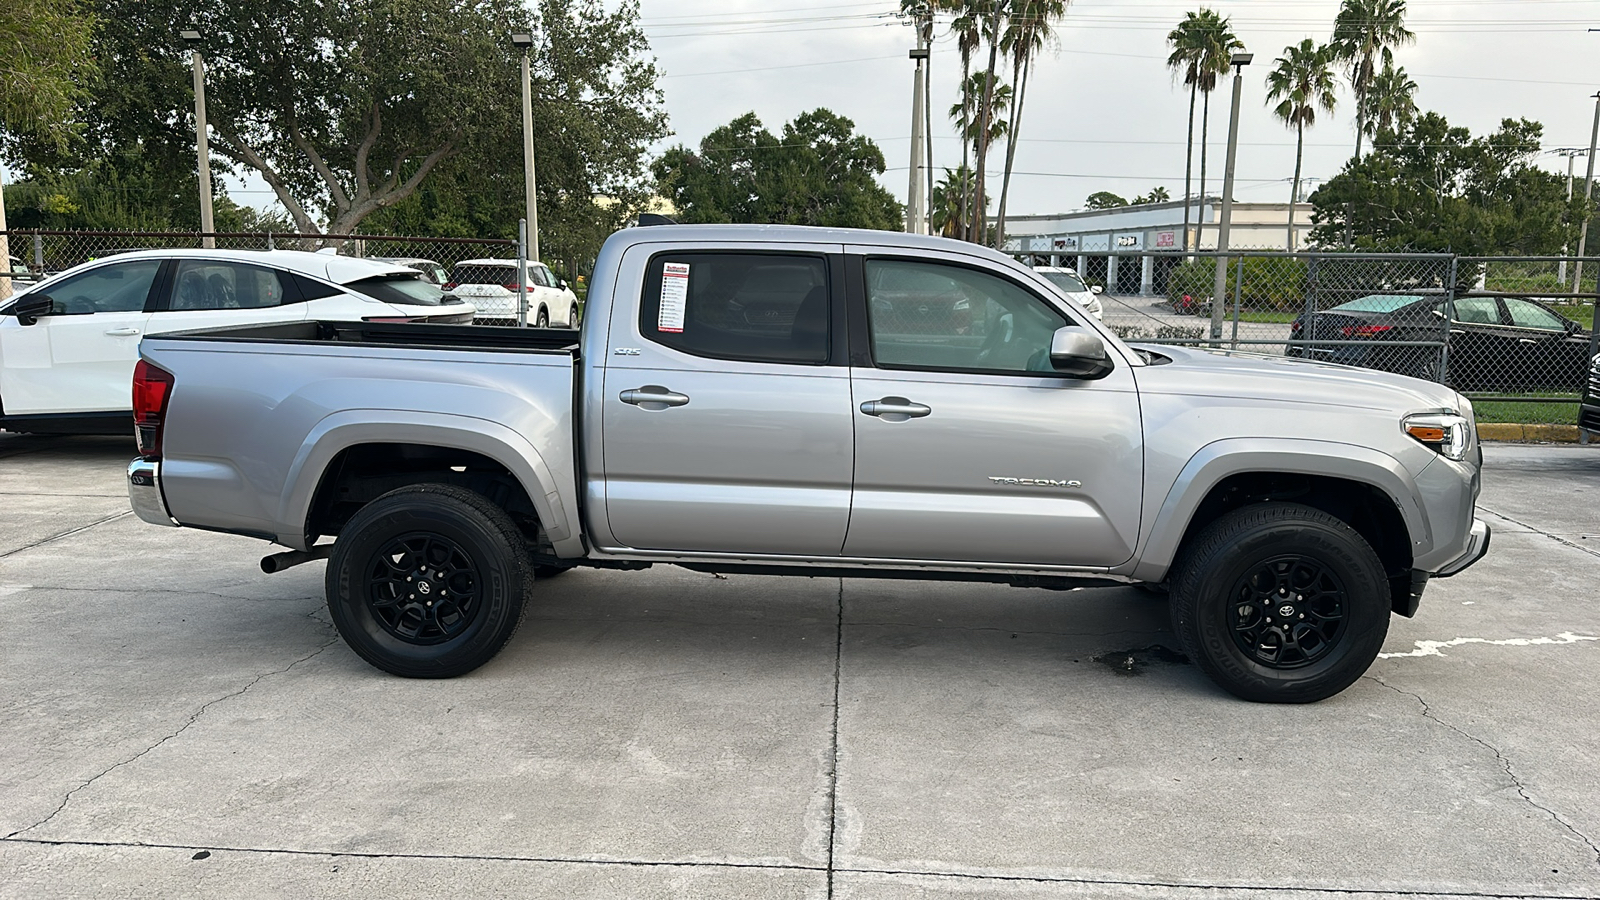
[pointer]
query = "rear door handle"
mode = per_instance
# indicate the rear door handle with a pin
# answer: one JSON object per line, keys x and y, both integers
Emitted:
{"x": 895, "y": 407}
{"x": 653, "y": 396}
{"x": 123, "y": 332}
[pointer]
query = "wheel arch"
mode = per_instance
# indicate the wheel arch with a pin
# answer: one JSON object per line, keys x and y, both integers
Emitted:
{"x": 431, "y": 446}
{"x": 1368, "y": 490}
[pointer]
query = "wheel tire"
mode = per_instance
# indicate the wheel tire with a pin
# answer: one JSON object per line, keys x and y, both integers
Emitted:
{"x": 544, "y": 318}
{"x": 450, "y": 543}
{"x": 1226, "y": 592}
{"x": 572, "y": 316}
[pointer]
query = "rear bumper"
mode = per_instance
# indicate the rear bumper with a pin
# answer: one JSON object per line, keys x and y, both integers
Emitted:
{"x": 144, "y": 493}
{"x": 1477, "y": 546}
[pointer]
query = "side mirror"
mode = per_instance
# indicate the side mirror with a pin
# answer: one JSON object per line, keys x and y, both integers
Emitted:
{"x": 31, "y": 307}
{"x": 561, "y": 284}
{"x": 1096, "y": 289}
{"x": 1079, "y": 353}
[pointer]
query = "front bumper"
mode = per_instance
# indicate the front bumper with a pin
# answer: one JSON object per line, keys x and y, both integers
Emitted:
{"x": 1477, "y": 546}
{"x": 144, "y": 493}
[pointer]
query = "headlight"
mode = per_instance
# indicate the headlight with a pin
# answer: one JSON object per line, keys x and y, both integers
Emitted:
{"x": 1447, "y": 434}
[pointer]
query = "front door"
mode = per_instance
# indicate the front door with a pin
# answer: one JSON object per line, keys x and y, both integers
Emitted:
{"x": 80, "y": 358}
{"x": 726, "y": 412}
{"x": 968, "y": 445}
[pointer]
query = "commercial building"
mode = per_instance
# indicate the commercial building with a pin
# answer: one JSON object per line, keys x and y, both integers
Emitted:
{"x": 1132, "y": 249}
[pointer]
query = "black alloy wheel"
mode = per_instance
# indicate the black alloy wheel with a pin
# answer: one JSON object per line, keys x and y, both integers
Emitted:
{"x": 1288, "y": 612}
{"x": 428, "y": 581}
{"x": 1280, "y": 603}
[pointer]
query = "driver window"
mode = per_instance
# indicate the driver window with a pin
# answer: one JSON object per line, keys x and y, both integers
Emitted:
{"x": 122, "y": 287}
{"x": 932, "y": 316}
{"x": 204, "y": 284}
{"x": 1531, "y": 315}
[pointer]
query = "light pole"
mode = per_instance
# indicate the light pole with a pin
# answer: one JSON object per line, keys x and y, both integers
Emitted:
{"x": 1571, "y": 153}
{"x": 523, "y": 41}
{"x": 914, "y": 196}
{"x": 202, "y": 146}
{"x": 1219, "y": 293}
{"x": 1588, "y": 201}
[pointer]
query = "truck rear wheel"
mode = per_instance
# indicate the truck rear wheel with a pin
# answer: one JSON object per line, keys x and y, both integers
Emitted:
{"x": 428, "y": 581}
{"x": 1280, "y": 603}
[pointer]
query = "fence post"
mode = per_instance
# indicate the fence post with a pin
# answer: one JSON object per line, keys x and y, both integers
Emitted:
{"x": 1310, "y": 333}
{"x": 269, "y": 241}
{"x": 1449, "y": 320}
{"x": 38, "y": 253}
{"x": 1238, "y": 298}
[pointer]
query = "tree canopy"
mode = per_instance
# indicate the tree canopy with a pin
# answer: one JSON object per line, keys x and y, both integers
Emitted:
{"x": 44, "y": 65}
{"x": 819, "y": 172}
{"x": 1437, "y": 188}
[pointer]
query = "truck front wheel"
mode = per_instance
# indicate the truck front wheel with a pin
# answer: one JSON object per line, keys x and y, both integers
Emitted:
{"x": 428, "y": 581}
{"x": 1280, "y": 603}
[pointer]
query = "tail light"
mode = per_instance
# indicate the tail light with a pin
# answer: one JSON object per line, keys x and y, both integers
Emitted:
{"x": 513, "y": 288}
{"x": 1294, "y": 327}
{"x": 152, "y": 389}
{"x": 1364, "y": 330}
{"x": 448, "y": 286}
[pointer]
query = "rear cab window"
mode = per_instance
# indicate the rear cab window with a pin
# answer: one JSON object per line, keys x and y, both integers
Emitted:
{"x": 755, "y": 307}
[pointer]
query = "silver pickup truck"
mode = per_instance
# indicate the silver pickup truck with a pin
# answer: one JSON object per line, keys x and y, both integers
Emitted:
{"x": 786, "y": 401}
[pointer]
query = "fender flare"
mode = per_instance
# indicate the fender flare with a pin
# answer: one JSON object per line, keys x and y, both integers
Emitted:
{"x": 351, "y": 427}
{"x": 1233, "y": 456}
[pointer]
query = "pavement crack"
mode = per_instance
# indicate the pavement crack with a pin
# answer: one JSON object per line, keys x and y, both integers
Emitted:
{"x": 1505, "y": 765}
{"x": 833, "y": 768}
{"x": 193, "y": 718}
{"x": 68, "y": 533}
{"x": 1537, "y": 530}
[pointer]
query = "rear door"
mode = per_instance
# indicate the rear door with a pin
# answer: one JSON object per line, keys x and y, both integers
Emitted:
{"x": 968, "y": 445}
{"x": 79, "y": 359}
{"x": 726, "y": 413}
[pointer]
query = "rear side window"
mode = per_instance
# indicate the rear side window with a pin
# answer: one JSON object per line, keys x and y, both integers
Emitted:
{"x": 742, "y": 306}
{"x": 204, "y": 284}
{"x": 467, "y": 273}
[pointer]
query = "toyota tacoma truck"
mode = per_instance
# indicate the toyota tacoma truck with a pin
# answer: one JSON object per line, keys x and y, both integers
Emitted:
{"x": 798, "y": 401}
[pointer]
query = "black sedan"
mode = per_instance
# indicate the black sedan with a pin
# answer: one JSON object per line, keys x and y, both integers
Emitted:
{"x": 1496, "y": 343}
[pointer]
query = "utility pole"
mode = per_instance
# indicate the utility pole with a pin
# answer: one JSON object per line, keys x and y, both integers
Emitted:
{"x": 1219, "y": 295}
{"x": 1588, "y": 200}
{"x": 524, "y": 41}
{"x": 915, "y": 219}
{"x": 925, "y": 28}
{"x": 202, "y": 146}
{"x": 1570, "y": 153}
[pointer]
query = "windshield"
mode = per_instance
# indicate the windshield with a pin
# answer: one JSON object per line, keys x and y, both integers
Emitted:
{"x": 1378, "y": 303}
{"x": 1066, "y": 281}
{"x": 403, "y": 288}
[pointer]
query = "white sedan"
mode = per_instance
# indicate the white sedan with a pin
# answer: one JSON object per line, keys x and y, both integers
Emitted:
{"x": 1073, "y": 286}
{"x": 68, "y": 345}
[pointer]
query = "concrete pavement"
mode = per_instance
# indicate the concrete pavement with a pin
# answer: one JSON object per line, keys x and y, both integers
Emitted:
{"x": 174, "y": 723}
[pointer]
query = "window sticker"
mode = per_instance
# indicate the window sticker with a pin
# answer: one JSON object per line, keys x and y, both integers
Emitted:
{"x": 674, "y": 295}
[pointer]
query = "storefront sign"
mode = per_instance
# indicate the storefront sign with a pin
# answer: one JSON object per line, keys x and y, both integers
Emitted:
{"x": 1166, "y": 239}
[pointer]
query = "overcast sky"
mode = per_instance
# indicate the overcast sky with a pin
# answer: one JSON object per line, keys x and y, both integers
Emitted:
{"x": 1102, "y": 111}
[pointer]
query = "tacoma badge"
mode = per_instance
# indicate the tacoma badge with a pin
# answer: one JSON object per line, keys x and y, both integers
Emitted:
{"x": 1038, "y": 482}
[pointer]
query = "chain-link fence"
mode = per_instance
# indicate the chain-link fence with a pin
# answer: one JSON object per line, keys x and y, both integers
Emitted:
{"x": 45, "y": 253}
{"x": 1514, "y": 333}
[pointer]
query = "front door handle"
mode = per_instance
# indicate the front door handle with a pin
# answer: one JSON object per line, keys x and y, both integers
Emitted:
{"x": 123, "y": 332}
{"x": 653, "y": 396}
{"x": 895, "y": 409}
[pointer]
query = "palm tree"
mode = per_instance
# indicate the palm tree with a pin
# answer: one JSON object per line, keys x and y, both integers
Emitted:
{"x": 1203, "y": 45}
{"x": 1302, "y": 83}
{"x": 1364, "y": 33}
{"x": 1391, "y": 102}
{"x": 969, "y": 35}
{"x": 947, "y": 206}
{"x": 986, "y": 113}
{"x": 962, "y": 113}
{"x": 1030, "y": 29}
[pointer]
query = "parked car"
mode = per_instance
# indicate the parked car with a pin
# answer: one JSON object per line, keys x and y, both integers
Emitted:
{"x": 432, "y": 272}
{"x": 1496, "y": 343}
{"x": 21, "y": 276}
{"x": 492, "y": 286}
{"x": 1071, "y": 285}
{"x": 1589, "y": 413}
{"x": 69, "y": 343}
{"x": 745, "y": 399}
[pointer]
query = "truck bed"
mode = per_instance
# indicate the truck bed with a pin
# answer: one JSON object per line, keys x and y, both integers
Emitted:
{"x": 392, "y": 334}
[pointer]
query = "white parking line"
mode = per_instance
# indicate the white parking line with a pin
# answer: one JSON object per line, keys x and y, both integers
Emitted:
{"x": 1432, "y": 648}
